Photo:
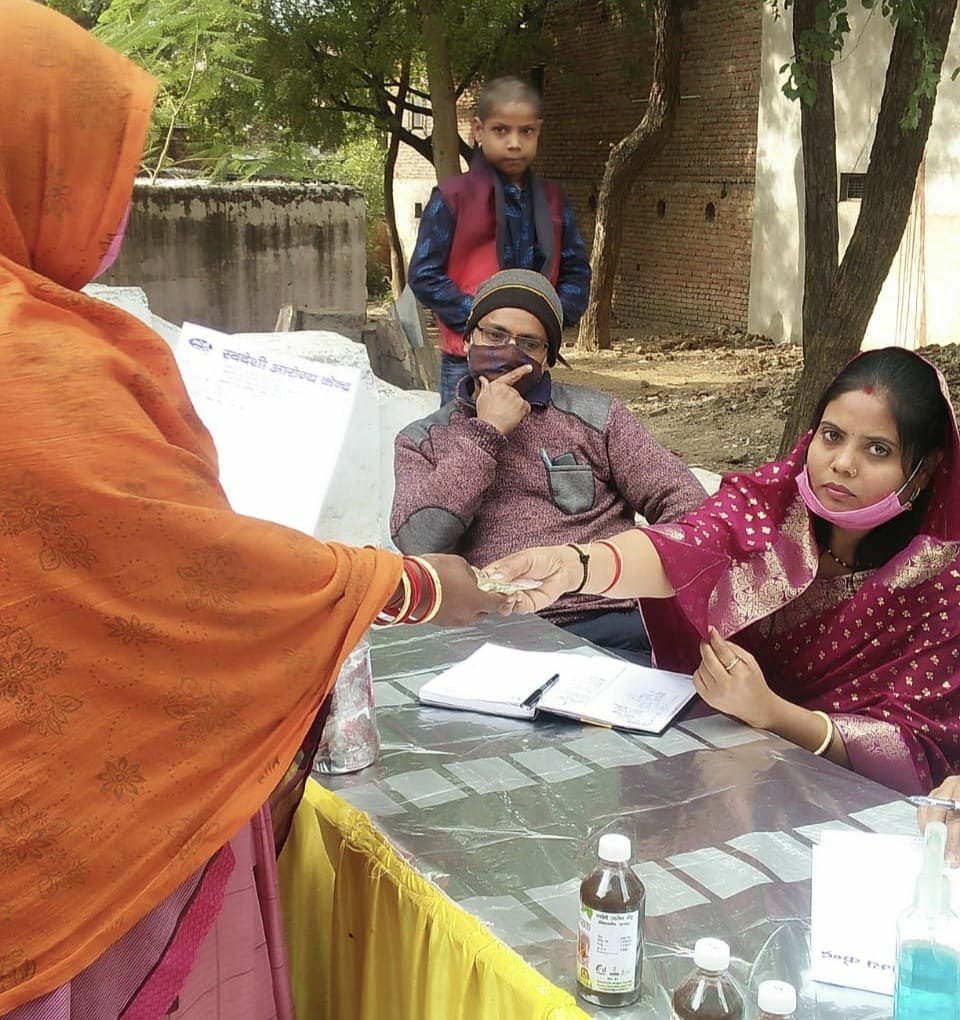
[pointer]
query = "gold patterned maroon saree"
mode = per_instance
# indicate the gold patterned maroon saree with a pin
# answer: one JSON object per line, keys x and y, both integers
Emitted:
{"x": 878, "y": 650}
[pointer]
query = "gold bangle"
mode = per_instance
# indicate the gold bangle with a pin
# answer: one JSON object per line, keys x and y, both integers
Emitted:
{"x": 831, "y": 732}
{"x": 404, "y": 605}
{"x": 437, "y": 588}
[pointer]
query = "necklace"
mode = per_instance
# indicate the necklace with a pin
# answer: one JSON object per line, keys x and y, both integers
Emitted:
{"x": 836, "y": 559}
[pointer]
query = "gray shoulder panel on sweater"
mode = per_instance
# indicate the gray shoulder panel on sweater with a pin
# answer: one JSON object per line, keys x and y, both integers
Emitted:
{"x": 419, "y": 431}
{"x": 591, "y": 406}
{"x": 429, "y": 530}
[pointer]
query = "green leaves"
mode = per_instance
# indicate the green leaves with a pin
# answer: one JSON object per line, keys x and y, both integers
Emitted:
{"x": 824, "y": 42}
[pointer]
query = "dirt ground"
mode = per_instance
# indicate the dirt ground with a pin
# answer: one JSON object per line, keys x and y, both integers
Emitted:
{"x": 718, "y": 400}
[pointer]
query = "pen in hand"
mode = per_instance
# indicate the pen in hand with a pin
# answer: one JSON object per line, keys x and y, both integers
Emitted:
{"x": 935, "y": 802}
{"x": 540, "y": 691}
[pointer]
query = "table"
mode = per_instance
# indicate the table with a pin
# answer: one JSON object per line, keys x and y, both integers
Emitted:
{"x": 504, "y": 816}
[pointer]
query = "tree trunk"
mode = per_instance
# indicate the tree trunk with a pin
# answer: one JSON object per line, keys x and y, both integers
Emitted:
{"x": 443, "y": 100}
{"x": 820, "y": 236}
{"x": 398, "y": 266}
{"x": 624, "y": 163}
{"x": 888, "y": 194}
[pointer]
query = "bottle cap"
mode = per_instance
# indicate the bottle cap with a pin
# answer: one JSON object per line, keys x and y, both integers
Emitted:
{"x": 777, "y": 997}
{"x": 614, "y": 848}
{"x": 712, "y": 955}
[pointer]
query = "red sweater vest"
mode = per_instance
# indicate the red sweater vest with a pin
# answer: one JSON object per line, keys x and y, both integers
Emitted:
{"x": 474, "y": 248}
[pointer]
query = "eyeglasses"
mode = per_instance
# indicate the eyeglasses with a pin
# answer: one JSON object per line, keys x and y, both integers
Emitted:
{"x": 500, "y": 338}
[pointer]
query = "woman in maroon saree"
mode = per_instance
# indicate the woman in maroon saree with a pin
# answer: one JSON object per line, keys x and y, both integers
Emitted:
{"x": 844, "y": 639}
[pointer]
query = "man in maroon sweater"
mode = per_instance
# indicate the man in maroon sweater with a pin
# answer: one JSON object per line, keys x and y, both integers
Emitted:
{"x": 518, "y": 460}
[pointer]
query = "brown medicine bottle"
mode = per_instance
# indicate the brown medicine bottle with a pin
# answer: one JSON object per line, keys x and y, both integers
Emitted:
{"x": 709, "y": 993}
{"x": 610, "y": 942}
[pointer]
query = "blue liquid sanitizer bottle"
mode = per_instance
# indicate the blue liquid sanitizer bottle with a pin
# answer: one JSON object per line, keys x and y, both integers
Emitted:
{"x": 928, "y": 942}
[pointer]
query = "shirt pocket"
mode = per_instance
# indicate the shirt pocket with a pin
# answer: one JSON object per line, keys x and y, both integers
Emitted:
{"x": 572, "y": 487}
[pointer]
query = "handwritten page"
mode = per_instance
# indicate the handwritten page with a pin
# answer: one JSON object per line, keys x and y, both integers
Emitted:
{"x": 616, "y": 693}
{"x": 277, "y": 421}
{"x": 592, "y": 688}
{"x": 862, "y": 882}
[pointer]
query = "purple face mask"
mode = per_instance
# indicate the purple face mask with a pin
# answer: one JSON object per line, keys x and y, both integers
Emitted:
{"x": 863, "y": 518}
{"x": 495, "y": 361}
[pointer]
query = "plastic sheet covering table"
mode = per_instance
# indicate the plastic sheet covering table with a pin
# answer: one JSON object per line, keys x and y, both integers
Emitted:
{"x": 504, "y": 817}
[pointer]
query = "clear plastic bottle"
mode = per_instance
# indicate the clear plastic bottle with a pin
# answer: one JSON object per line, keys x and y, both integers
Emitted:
{"x": 776, "y": 1000}
{"x": 709, "y": 993}
{"x": 610, "y": 943}
{"x": 928, "y": 942}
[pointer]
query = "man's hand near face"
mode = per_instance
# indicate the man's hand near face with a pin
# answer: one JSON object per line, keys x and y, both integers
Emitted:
{"x": 499, "y": 404}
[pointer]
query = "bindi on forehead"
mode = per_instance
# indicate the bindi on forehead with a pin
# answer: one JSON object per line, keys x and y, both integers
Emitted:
{"x": 869, "y": 390}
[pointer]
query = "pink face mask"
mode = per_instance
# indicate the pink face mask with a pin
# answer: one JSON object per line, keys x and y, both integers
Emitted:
{"x": 863, "y": 518}
{"x": 113, "y": 250}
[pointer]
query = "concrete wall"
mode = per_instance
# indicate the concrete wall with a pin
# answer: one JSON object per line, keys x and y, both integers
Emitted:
{"x": 919, "y": 302}
{"x": 228, "y": 256}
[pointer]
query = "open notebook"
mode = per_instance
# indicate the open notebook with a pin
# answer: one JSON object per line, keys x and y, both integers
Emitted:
{"x": 591, "y": 688}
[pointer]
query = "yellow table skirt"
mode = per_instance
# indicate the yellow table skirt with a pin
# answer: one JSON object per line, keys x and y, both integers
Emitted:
{"x": 370, "y": 939}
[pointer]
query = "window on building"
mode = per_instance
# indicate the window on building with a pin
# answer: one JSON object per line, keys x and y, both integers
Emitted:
{"x": 852, "y": 187}
{"x": 417, "y": 210}
{"x": 418, "y": 120}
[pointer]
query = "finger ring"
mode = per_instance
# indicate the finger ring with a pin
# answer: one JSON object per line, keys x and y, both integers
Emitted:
{"x": 728, "y": 666}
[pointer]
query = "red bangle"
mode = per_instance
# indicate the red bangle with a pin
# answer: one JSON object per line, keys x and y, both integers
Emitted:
{"x": 416, "y": 591}
{"x": 431, "y": 593}
{"x": 618, "y": 565}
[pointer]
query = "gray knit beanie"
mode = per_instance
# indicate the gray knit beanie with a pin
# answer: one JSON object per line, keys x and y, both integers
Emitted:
{"x": 522, "y": 288}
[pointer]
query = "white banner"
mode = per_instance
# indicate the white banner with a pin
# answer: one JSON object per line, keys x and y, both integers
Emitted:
{"x": 278, "y": 421}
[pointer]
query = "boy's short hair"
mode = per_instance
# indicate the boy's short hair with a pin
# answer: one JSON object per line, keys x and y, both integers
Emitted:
{"x": 505, "y": 90}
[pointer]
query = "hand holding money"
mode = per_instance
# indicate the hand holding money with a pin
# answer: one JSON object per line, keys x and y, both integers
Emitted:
{"x": 487, "y": 583}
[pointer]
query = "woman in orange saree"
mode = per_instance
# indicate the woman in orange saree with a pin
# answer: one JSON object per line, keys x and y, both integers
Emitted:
{"x": 162, "y": 659}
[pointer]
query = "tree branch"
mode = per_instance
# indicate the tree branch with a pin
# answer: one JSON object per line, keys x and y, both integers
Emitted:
{"x": 623, "y": 164}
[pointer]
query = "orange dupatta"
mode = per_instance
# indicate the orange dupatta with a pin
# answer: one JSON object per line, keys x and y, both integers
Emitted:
{"x": 161, "y": 657}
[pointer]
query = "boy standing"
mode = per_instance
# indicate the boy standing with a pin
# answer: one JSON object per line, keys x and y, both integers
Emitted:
{"x": 498, "y": 215}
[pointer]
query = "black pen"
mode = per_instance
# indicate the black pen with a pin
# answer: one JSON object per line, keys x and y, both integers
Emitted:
{"x": 540, "y": 691}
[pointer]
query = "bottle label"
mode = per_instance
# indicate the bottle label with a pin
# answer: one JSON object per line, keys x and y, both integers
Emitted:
{"x": 607, "y": 950}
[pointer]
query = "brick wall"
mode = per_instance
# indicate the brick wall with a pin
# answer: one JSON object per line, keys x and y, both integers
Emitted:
{"x": 410, "y": 164}
{"x": 685, "y": 262}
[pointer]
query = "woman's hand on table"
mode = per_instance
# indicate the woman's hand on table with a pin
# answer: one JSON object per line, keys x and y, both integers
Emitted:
{"x": 556, "y": 567}
{"x": 463, "y": 602}
{"x": 729, "y": 680}
{"x": 949, "y": 789}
